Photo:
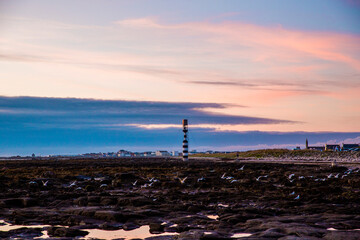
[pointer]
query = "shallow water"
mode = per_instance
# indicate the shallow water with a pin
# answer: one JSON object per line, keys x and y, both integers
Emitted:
{"x": 4, "y": 226}
{"x": 142, "y": 232}
{"x": 241, "y": 235}
{"x": 214, "y": 217}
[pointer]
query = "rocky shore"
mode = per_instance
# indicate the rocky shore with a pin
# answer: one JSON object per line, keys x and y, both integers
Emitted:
{"x": 199, "y": 199}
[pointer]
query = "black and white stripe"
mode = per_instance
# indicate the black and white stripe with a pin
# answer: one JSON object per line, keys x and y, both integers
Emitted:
{"x": 185, "y": 142}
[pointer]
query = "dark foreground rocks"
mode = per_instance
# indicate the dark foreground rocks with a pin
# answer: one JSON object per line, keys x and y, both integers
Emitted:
{"x": 199, "y": 199}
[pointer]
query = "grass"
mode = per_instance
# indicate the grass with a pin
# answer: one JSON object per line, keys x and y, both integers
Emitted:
{"x": 278, "y": 153}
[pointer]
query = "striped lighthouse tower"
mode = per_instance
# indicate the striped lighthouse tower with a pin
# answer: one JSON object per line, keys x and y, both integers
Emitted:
{"x": 185, "y": 142}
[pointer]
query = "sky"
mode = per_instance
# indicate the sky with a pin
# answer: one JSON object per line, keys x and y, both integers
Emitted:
{"x": 89, "y": 76}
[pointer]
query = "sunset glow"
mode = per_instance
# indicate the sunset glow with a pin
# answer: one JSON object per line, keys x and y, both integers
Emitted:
{"x": 303, "y": 71}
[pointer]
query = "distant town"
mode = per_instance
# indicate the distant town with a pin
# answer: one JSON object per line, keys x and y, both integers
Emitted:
{"x": 333, "y": 147}
{"x": 163, "y": 153}
{"x": 125, "y": 153}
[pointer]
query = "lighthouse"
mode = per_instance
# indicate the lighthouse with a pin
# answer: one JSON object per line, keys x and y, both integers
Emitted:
{"x": 185, "y": 142}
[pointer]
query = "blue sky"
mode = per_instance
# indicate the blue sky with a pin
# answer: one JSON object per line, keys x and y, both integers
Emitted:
{"x": 56, "y": 126}
{"x": 324, "y": 15}
{"x": 86, "y": 76}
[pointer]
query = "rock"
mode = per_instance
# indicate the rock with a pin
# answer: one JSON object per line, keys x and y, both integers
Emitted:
{"x": 191, "y": 234}
{"x": 193, "y": 209}
{"x": 130, "y": 226}
{"x": 126, "y": 177}
{"x": 110, "y": 226}
{"x": 108, "y": 215}
{"x": 81, "y": 201}
{"x": 346, "y": 235}
{"x": 213, "y": 235}
{"x": 292, "y": 237}
{"x": 21, "y": 233}
{"x": 304, "y": 231}
{"x": 65, "y": 232}
{"x": 20, "y": 202}
{"x": 156, "y": 228}
{"x": 89, "y": 188}
{"x": 107, "y": 201}
{"x": 271, "y": 233}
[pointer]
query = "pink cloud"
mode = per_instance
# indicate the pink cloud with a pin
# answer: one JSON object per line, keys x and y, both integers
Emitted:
{"x": 275, "y": 41}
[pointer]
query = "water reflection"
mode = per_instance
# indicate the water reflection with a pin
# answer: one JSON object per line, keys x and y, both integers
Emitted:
{"x": 142, "y": 232}
{"x": 214, "y": 217}
{"x": 241, "y": 235}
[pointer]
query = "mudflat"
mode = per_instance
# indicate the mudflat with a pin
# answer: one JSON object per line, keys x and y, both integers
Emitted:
{"x": 198, "y": 199}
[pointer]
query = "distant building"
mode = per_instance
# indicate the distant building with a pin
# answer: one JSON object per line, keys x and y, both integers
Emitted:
{"x": 349, "y": 147}
{"x": 162, "y": 153}
{"x": 174, "y": 153}
{"x": 93, "y": 155}
{"x": 318, "y": 148}
{"x": 333, "y": 147}
{"x": 124, "y": 153}
{"x": 148, "y": 154}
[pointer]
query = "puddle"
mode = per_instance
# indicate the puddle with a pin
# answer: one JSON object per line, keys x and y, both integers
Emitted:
{"x": 4, "y": 226}
{"x": 223, "y": 205}
{"x": 331, "y": 229}
{"x": 347, "y": 230}
{"x": 214, "y": 217}
{"x": 142, "y": 232}
{"x": 241, "y": 235}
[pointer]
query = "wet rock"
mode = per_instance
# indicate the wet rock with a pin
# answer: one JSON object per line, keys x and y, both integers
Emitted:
{"x": 156, "y": 228}
{"x": 89, "y": 188}
{"x": 303, "y": 231}
{"x": 271, "y": 233}
{"x": 151, "y": 213}
{"x": 110, "y": 226}
{"x": 65, "y": 232}
{"x": 346, "y": 235}
{"x": 83, "y": 178}
{"x": 193, "y": 209}
{"x": 107, "y": 201}
{"x": 130, "y": 226}
{"x": 298, "y": 238}
{"x": 14, "y": 202}
{"x": 81, "y": 201}
{"x": 192, "y": 234}
{"x": 48, "y": 174}
{"x": 20, "y": 202}
{"x": 108, "y": 215}
{"x": 93, "y": 201}
{"x": 169, "y": 237}
{"x": 126, "y": 177}
{"x": 21, "y": 233}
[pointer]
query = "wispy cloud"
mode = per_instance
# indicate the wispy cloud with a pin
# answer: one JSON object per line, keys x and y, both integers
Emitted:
{"x": 279, "y": 73}
{"x": 327, "y": 46}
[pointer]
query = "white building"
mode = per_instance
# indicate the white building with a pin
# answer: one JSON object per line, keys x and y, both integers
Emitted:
{"x": 175, "y": 153}
{"x": 148, "y": 154}
{"x": 162, "y": 153}
{"x": 123, "y": 153}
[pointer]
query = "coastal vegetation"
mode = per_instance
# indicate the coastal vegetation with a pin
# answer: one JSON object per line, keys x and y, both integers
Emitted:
{"x": 281, "y": 153}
